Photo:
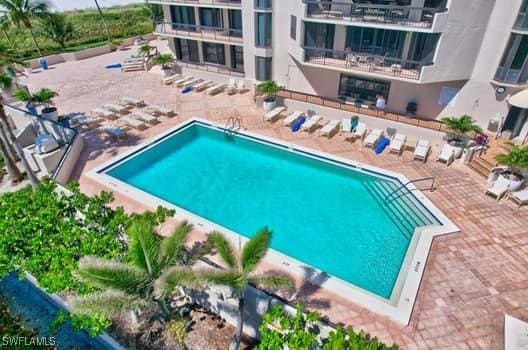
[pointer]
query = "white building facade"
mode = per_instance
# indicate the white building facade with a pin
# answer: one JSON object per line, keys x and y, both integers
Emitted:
{"x": 433, "y": 58}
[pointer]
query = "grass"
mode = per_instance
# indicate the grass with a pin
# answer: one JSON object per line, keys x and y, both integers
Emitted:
{"x": 123, "y": 22}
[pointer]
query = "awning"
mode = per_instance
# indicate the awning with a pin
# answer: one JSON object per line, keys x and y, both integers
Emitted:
{"x": 520, "y": 99}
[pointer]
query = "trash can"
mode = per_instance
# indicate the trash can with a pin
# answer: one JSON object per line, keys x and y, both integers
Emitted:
{"x": 493, "y": 125}
{"x": 43, "y": 63}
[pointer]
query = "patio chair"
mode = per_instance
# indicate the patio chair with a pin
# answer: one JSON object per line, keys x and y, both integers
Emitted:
{"x": 146, "y": 117}
{"x": 447, "y": 155}
{"x": 289, "y": 120}
{"x": 215, "y": 89}
{"x": 499, "y": 188}
{"x": 519, "y": 197}
{"x": 360, "y": 131}
{"x": 241, "y": 86}
{"x": 171, "y": 79}
{"x": 83, "y": 120}
{"x": 114, "y": 131}
{"x": 203, "y": 85}
{"x": 179, "y": 83}
{"x": 274, "y": 113}
{"x": 192, "y": 82}
{"x": 397, "y": 144}
{"x": 155, "y": 109}
{"x": 131, "y": 101}
{"x": 346, "y": 124}
{"x": 311, "y": 123}
{"x": 103, "y": 113}
{"x": 373, "y": 138}
{"x": 115, "y": 108}
{"x": 330, "y": 128}
{"x": 421, "y": 150}
{"x": 231, "y": 87}
{"x": 133, "y": 123}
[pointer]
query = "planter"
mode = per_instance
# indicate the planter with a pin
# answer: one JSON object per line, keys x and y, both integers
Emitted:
{"x": 50, "y": 113}
{"x": 269, "y": 105}
{"x": 458, "y": 147}
{"x": 515, "y": 181}
{"x": 167, "y": 72}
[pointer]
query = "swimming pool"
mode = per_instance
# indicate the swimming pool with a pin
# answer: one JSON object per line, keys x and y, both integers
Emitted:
{"x": 333, "y": 216}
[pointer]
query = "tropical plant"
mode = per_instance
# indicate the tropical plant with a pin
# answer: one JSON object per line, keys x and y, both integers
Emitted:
{"x": 108, "y": 35}
{"x": 461, "y": 126}
{"x": 44, "y": 96}
{"x": 56, "y": 27}
{"x": 144, "y": 50}
{"x": 9, "y": 137}
{"x": 23, "y": 95}
{"x": 516, "y": 158}
{"x": 164, "y": 60}
{"x": 94, "y": 325}
{"x": 21, "y": 12}
{"x": 153, "y": 11}
{"x": 4, "y": 26}
{"x": 269, "y": 89}
{"x": 240, "y": 272}
{"x": 154, "y": 268}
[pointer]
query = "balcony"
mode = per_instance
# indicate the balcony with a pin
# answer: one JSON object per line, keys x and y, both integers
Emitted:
{"x": 521, "y": 23}
{"x": 198, "y": 32}
{"x": 219, "y": 3}
{"x": 413, "y": 17}
{"x": 377, "y": 65}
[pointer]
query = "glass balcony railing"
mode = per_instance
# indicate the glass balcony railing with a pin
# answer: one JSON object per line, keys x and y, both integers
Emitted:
{"x": 199, "y": 32}
{"x": 418, "y": 17}
{"x": 237, "y": 3}
{"x": 522, "y": 21}
{"x": 389, "y": 66}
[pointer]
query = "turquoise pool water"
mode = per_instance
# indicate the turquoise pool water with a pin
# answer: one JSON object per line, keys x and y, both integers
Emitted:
{"x": 327, "y": 216}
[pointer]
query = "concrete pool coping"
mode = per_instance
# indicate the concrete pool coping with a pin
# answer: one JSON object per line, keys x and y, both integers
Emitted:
{"x": 400, "y": 305}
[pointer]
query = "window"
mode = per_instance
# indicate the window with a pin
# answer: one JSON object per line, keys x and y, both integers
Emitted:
{"x": 237, "y": 58}
{"x": 187, "y": 50}
{"x": 263, "y": 29}
{"x": 375, "y": 41}
{"x": 214, "y": 53}
{"x": 235, "y": 22}
{"x": 182, "y": 17}
{"x": 211, "y": 17}
{"x": 263, "y": 68}
{"x": 293, "y": 27}
{"x": 362, "y": 90}
{"x": 513, "y": 67}
{"x": 262, "y": 4}
{"x": 320, "y": 35}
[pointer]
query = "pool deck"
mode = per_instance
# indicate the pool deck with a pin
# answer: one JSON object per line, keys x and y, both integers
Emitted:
{"x": 471, "y": 278}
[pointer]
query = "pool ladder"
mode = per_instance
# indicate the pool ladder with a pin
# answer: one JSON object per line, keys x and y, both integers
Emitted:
{"x": 392, "y": 196}
{"x": 232, "y": 125}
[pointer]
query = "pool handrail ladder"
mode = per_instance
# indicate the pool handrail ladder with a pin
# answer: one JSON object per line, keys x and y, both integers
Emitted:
{"x": 404, "y": 186}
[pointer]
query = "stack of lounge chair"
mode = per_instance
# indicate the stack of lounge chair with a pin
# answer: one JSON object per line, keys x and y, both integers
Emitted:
{"x": 274, "y": 114}
{"x": 373, "y": 138}
{"x": 311, "y": 123}
{"x": 422, "y": 149}
{"x": 330, "y": 128}
{"x": 289, "y": 120}
{"x": 397, "y": 144}
{"x": 447, "y": 155}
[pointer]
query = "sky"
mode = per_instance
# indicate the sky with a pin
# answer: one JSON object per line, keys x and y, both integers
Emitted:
{"x": 65, "y": 5}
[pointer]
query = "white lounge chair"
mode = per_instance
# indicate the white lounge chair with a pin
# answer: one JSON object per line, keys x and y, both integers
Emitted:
{"x": 154, "y": 109}
{"x": 183, "y": 81}
{"x": 274, "y": 113}
{"x": 241, "y": 86}
{"x": 289, "y": 120}
{"x": 330, "y": 128}
{"x": 346, "y": 124}
{"x": 203, "y": 85}
{"x": 361, "y": 130}
{"x": 372, "y": 139}
{"x": 311, "y": 123}
{"x": 447, "y": 155}
{"x": 114, "y": 131}
{"x": 421, "y": 150}
{"x": 170, "y": 79}
{"x": 499, "y": 188}
{"x": 397, "y": 144}
{"x": 103, "y": 113}
{"x": 232, "y": 87}
{"x": 83, "y": 120}
{"x": 519, "y": 197}
{"x": 215, "y": 89}
{"x": 192, "y": 82}
{"x": 131, "y": 101}
{"x": 146, "y": 117}
{"x": 133, "y": 123}
{"x": 114, "y": 108}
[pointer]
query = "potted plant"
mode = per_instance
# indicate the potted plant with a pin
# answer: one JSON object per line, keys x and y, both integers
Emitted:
{"x": 164, "y": 60}
{"x": 144, "y": 50}
{"x": 517, "y": 162}
{"x": 269, "y": 89}
{"x": 459, "y": 128}
{"x": 45, "y": 96}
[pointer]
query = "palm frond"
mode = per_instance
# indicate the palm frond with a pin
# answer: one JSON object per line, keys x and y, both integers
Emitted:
{"x": 275, "y": 281}
{"x": 232, "y": 278}
{"x": 109, "y": 303}
{"x": 106, "y": 274}
{"x": 144, "y": 247}
{"x": 175, "y": 277}
{"x": 255, "y": 250}
{"x": 172, "y": 248}
{"x": 224, "y": 249}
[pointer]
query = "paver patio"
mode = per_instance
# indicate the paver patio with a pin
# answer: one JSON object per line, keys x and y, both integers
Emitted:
{"x": 471, "y": 278}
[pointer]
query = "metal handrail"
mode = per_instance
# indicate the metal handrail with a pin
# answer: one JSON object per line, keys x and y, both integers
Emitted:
{"x": 201, "y": 31}
{"x": 404, "y": 186}
{"x": 235, "y": 125}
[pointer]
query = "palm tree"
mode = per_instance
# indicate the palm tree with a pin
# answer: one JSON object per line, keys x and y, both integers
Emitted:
{"x": 516, "y": 158}
{"x": 240, "y": 272}
{"x": 269, "y": 89}
{"x": 164, "y": 60}
{"x": 154, "y": 269}
{"x": 5, "y": 83}
{"x": 108, "y": 35}
{"x": 4, "y": 26}
{"x": 21, "y": 12}
{"x": 461, "y": 126}
{"x": 56, "y": 27}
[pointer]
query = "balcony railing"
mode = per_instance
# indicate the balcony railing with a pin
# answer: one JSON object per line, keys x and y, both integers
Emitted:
{"x": 417, "y": 17}
{"x": 199, "y": 32}
{"x": 521, "y": 23}
{"x": 394, "y": 67}
{"x": 213, "y": 68}
{"x": 237, "y": 3}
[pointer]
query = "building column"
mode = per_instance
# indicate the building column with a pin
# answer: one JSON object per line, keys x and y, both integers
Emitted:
{"x": 197, "y": 17}
{"x": 339, "y": 38}
{"x": 227, "y": 52}
{"x": 416, "y": 15}
{"x": 407, "y": 46}
{"x": 225, "y": 18}
{"x": 200, "y": 52}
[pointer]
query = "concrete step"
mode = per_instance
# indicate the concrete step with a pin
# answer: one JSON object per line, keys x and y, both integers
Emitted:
{"x": 481, "y": 166}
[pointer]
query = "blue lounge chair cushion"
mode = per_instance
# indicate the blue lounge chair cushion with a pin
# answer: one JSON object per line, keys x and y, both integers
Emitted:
{"x": 186, "y": 89}
{"x": 354, "y": 124}
{"x": 115, "y": 65}
{"x": 297, "y": 124}
{"x": 384, "y": 142}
